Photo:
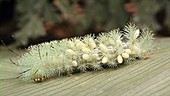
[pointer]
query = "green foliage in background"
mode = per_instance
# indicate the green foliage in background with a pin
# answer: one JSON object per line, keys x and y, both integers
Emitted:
{"x": 98, "y": 15}
{"x": 147, "y": 10}
{"x": 32, "y": 14}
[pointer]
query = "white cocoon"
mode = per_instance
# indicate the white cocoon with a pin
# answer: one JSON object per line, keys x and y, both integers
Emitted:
{"x": 136, "y": 34}
{"x": 103, "y": 48}
{"x": 136, "y": 49}
{"x": 86, "y": 50}
{"x": 85, "y": 56}
{"x": 128, "y": 51}
{"x": 92, "y": 44}
{"x": 74, "y": 63}
{"x": 119, "y": 59}
{"x": 70, "y": 52}
{"x": 125, "y": 55}
{"x": 95, "y": 56}
{"x": 80, "y": 45}
{"x": 104, "y": 60}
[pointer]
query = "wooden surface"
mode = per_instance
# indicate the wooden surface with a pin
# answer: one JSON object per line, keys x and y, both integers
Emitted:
{"x": 149, "y": 77}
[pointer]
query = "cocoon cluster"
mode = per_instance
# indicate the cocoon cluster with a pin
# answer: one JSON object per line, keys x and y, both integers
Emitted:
{"x": 68, "y": 56}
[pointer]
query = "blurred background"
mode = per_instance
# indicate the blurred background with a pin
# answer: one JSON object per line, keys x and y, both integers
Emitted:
{"x": 28, "y": 22}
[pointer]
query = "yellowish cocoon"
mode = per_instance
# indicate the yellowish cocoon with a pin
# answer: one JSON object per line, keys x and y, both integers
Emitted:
{"x": 144, "y": 51}
{"x": 85, "y": 56}
{"x": 136, "y": 49}
{"x": 104, "y": 60}
{"x": 74, "y": 63}
{"x": 136, "y": 34}
{"x": 119, "y": 59}
{"x": 125, "y": 55}
{"x": 103, "y": 48}
{"x": 70, "y": 52}
{"x": 112, "y": 42}
{"x": 128, "y": 51}
{"x": 118, "y": 42}
{"x": 95, "y": 56}
{"x": 80, "y": 45}
{"x": 92, "y": 44}
{"x": 86, "y": 50}
{"x": 71, "y": 44}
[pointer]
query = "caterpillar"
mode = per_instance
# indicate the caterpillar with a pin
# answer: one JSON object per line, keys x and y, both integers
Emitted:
{"x": 80, "y": 54}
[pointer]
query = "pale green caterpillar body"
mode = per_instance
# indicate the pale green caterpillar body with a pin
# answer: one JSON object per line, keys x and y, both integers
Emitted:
{"x": 67, "y": 56}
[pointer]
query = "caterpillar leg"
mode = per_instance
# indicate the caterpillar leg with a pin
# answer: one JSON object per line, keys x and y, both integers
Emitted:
{"x": 146, "y": 57}
{"x": 40, "y": 79}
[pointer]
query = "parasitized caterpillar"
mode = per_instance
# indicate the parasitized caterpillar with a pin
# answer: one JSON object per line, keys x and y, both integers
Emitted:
{"x": 66, "y": 56}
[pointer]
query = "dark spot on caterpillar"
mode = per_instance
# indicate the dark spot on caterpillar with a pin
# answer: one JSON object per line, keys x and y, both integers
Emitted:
{"x": 52, "y": 46}
{"x": 46, "y": 54}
